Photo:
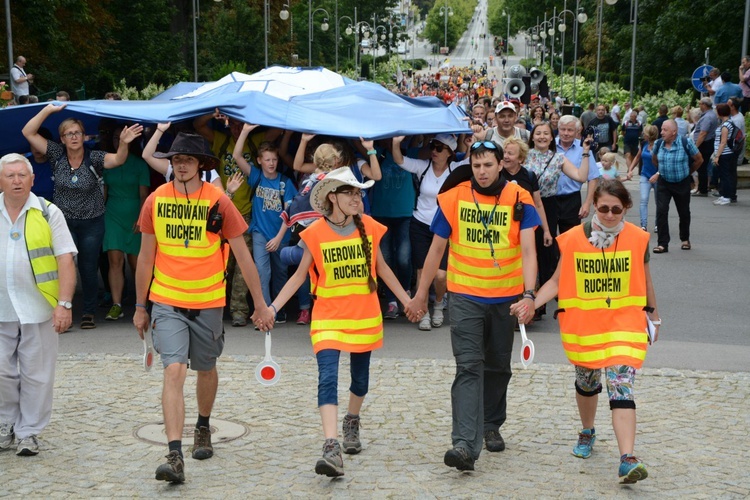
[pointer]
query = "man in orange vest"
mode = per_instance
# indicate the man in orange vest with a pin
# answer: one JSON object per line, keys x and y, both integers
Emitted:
{"x": 181, "y": 269}
{"x": 491, "y": 261}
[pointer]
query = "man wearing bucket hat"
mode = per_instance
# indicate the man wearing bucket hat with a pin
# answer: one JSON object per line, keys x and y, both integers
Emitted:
{"x": 183, "y": 223}
{"x": 490, "y": 224}
{"x": 341, "y": 254}
{"x": 505, "y": 119}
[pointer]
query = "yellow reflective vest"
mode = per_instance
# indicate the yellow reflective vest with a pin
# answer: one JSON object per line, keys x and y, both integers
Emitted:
{"x": 38, "y": 236}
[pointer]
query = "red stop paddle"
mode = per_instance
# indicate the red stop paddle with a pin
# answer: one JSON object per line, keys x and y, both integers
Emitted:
{"x": 268, "y": 372}
{"x": 148, "y": 350}
{"x": 527, "y": 347}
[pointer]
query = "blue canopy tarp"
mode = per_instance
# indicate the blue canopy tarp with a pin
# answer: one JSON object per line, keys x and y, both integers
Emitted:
{"x": 349, "y": 109}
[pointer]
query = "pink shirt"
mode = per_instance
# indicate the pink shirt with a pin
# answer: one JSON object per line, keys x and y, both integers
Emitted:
{"x": 745, "y": 83}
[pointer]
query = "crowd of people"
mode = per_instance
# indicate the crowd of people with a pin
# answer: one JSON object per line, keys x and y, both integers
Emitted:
{"x": 494, "y": 218}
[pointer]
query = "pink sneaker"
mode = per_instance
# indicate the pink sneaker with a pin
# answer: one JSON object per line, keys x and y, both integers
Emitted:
{"x": 304, "y": 317}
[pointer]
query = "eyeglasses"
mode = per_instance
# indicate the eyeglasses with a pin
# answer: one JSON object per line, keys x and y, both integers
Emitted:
{"x": 352, "y": 193}
{"x": 437, "y": 146}
{"x": 73, "y": 135}
{"x": 604, "y": 209}
{"x": 486, "y": 144}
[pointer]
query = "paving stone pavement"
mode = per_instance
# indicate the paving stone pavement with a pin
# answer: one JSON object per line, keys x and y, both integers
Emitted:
{"x": 693, "y": 429}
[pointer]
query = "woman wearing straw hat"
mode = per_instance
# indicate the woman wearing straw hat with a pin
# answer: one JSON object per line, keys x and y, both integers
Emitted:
{"x": 341, "y": 253}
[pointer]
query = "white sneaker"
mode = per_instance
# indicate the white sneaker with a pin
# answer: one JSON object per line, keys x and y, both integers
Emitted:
{"x": 27, "y": 447}
{"x": 437, "y": 316}
{"x": 7, "y": 436}
{"x": 424, "y": 323}
{"x": 722, "y": 201}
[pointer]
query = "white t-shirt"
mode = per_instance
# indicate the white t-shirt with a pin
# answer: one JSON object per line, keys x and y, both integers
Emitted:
{"x": 429, "y": 189}
{"x": 20, "y": 299}
{"x": 18, "y": 88}
{"x": 615, "y": 113}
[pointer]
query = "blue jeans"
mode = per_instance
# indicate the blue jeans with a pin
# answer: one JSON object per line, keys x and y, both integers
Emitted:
{"x": 328, "y": 375}
{"x": 727, "y": 167}
{"x": 88, "y": 235}
{"x": 646, "y": 188}
{"x": 396, "y": 243}
{"x": 270, "y": 269}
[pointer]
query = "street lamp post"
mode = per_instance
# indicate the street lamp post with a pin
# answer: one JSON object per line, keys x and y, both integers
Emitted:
{"x": 445, "y": 12}
{"x": 562, "y": 28}
{"x": 196, "y": 15}
{"x": 634, "y": 4}
{"x": 580, "y": 18}
{"x": 323, "y": 27}
{"x": 507, "y": 38}
{"x": 285, "y": 14}
{"x": 599, "y": 44}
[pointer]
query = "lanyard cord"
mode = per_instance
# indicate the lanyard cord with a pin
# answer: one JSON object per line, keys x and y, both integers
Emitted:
{"x": 611, "y": 263}
{"x": 488, "y": 235}
{"x": 192, "y": 216}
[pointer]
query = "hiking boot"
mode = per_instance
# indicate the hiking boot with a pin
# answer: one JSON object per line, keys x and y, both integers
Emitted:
{"x": 304, "y": 317}
{"x": 115, "y": 313}
{"x": 28, "y": 447}
{"x": 437, "y": 315}
{"x": 172, "y": 471}
{"x": 631, "y": 470}
{"x": 459, "y": 458}
{"x": 392, "y": 312}
{"x": 239, "y": 320}
{"x": 424, "y": 324}
{"x": 350, "y": 430}
{"x": 586, "y": 439}
{"x": 332, "y": 463}
{"x": 494, "y": 441}
{"x": 7, "y": 436}
{"x": 202, "y": 448}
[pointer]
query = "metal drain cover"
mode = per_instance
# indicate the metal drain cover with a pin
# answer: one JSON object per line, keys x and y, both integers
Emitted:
{"x": 222, "y": 431}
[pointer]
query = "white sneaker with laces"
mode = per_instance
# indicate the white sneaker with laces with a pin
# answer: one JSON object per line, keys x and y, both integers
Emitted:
{"x": 424, "y": 323}
{"x": 722, "y": 201}
{"x": 7, "y": 436}
{"x": 27, "y": 447}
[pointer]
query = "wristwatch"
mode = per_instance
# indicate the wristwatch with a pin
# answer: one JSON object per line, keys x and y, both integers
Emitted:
{"x": 67, "y": 305}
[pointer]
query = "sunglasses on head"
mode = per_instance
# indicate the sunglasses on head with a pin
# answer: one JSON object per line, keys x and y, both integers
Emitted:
{"x": 485, "y": 144}
{"x": 604, "y": 209}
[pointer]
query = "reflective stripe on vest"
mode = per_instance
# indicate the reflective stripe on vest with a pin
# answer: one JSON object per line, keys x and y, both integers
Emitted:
{"x": 189, "y": 265}
{"x": 346, "y": 314}
{"x": 38, "y": 236}
{"x": 471, "y": 267}
{"x": 602, "y": 297}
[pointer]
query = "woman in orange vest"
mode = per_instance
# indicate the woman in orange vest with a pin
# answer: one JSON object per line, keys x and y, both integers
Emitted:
{"x": 341, "y": 253}
{"x": 603, "y": 285}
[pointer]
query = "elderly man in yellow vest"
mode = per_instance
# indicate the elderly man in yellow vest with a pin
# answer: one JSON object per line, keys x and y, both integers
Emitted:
{"x": 37, "y": 282}
{"x": 183, "y": 224}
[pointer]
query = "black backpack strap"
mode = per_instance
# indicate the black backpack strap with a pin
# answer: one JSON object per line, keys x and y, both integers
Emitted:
{"x": 418, "y": 182}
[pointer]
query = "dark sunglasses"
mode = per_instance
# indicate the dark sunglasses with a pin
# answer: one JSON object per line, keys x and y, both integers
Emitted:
{"x": 437, "y": 146}
{"x": 604, "y": 209}
{"x": 486, "y": 144}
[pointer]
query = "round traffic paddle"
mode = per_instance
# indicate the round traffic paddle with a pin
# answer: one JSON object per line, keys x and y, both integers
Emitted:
{"x": 148, "y": 350}
{"x": 268, "y": 372}
{"x": 527, "y": 347}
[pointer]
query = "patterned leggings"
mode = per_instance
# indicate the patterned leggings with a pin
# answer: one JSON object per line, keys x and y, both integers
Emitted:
{"x": 620, "y": 381}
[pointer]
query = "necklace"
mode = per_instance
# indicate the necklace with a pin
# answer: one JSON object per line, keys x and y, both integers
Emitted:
{"x": 611, "y": 264}
{"x": 339, "y": 224}
{"x": 192, "y": 216}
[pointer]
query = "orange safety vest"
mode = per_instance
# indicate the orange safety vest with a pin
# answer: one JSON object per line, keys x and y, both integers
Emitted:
{"x": 471, "y": 268}
{"x": 190, "y": 262}
{"x": 601, "y": 299}
{"x": 346, "y": 314}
